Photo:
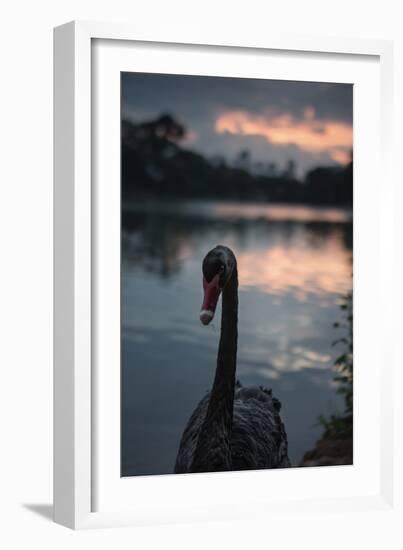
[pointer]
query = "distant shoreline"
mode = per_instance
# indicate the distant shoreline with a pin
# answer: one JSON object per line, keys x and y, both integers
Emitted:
{"x": 248, "y": 210}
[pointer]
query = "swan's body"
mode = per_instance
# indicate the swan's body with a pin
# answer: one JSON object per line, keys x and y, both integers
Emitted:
{"x": 232, "y": 428}
{"x": 258, "y": 438}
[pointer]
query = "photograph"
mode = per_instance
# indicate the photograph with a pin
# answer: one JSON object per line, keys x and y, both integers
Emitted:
{"x": 236, "y": 274}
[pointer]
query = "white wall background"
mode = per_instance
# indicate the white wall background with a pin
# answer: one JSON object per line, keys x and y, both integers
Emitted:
{"x": 26, "y": 267}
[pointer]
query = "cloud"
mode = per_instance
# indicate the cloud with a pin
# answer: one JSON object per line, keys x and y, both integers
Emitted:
{"x": 308, "y": 133}
{"x": 200, "y": 101}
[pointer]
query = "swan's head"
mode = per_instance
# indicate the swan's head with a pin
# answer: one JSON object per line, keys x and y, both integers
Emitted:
{"x": 217, "y": 268}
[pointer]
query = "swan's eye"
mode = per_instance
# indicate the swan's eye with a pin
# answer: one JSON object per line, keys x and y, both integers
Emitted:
{"x": 222, "y": 268}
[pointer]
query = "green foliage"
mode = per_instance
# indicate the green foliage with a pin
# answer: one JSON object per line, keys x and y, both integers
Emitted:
{"x": 342, "y": 425}
{"x": 337, "y": 426}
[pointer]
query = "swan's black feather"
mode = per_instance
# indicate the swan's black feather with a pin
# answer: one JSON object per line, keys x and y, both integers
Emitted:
{"x": 258, "y": 438}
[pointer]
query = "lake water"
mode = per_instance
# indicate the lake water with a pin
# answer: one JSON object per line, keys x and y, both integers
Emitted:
{"x": 294, "y": 263}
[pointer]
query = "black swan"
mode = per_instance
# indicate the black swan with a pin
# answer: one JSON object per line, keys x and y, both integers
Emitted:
{"x": 232, "y": 428}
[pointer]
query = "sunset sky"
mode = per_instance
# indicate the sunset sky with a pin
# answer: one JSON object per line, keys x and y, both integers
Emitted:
{"x": 276, "y": 120}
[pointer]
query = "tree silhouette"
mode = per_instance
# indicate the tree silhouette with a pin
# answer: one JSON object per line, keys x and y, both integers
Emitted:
{"x": 155, "y": 165}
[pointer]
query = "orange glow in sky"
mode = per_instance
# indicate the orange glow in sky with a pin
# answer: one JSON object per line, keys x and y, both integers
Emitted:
{"x": 308, "y": 134}
{"x": 342, "y": 157}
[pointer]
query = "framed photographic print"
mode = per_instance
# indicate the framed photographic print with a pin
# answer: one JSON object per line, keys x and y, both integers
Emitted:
{"x": 221, "y": 230}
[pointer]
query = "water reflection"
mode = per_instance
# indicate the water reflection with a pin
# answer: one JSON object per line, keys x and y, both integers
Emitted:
{"x": 298, "y": 268}
{"x": 294, "y": 262}
{"x": 279, "y": 212}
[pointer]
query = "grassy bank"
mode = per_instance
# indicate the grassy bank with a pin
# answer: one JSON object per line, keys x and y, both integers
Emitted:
{"x": 335, "y": 447}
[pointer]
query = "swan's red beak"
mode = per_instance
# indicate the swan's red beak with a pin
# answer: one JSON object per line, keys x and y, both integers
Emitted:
{"x": 211, "y": 294}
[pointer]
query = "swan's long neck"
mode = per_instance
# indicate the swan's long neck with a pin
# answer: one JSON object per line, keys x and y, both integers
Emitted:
{"x": 213, "y": 451}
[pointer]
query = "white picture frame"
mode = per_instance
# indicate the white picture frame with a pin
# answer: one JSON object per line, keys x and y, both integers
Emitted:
{"x": 87, "y": 491}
